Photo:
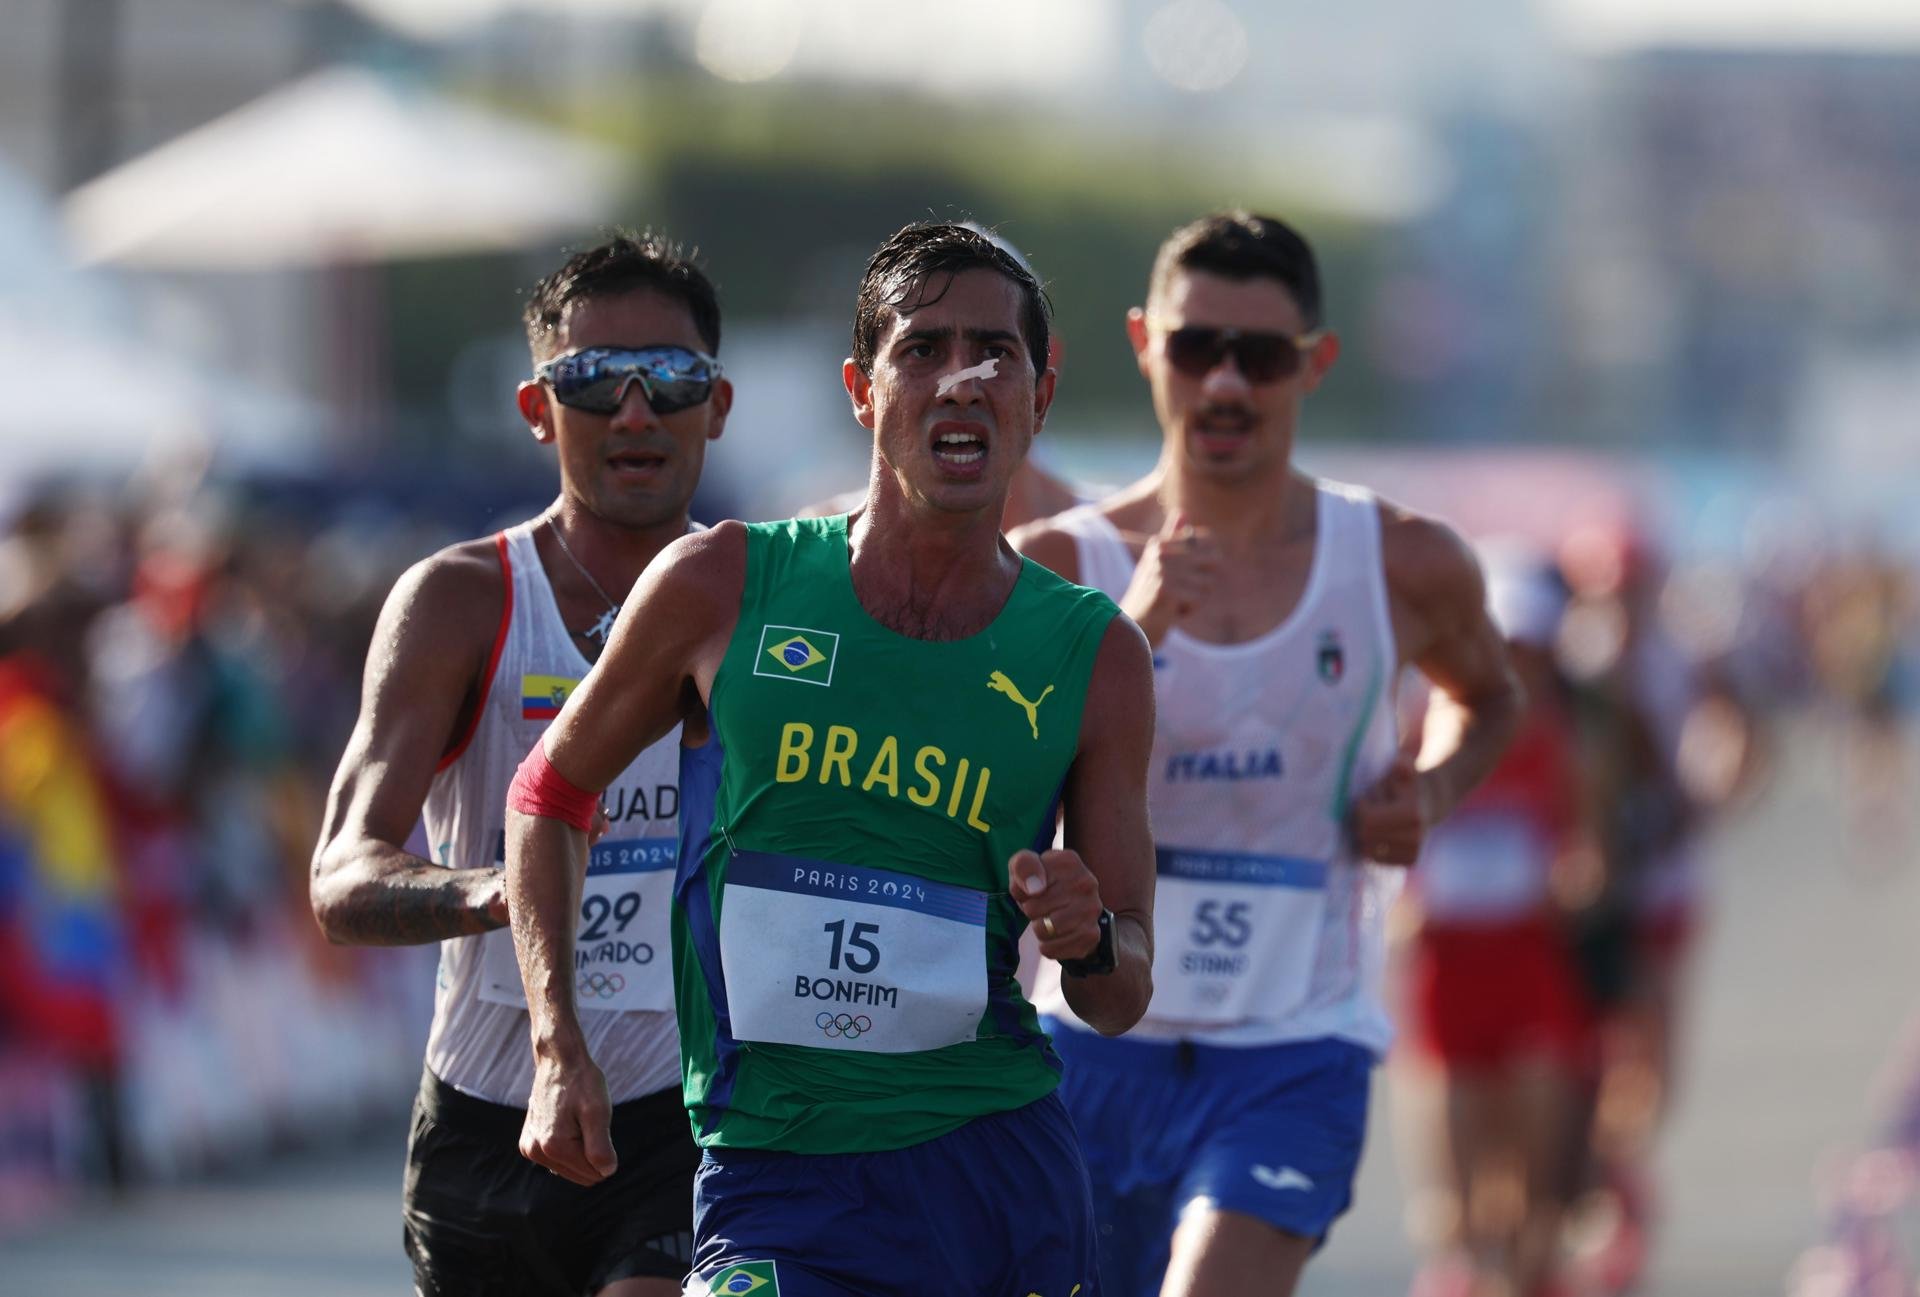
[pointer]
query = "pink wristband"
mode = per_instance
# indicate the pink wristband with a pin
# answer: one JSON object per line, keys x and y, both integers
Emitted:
{"x": 539, "y": 789}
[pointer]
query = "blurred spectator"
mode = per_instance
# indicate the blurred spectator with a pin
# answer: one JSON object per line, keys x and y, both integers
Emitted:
{"x": 176, "y": 677}
{"x": 1665, "y": 742}
{"x": 1858, "y": 616}
{"x": 1498, "y": 1026}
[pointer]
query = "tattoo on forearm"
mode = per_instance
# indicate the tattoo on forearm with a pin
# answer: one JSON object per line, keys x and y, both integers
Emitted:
{"x": 423, "y": 904}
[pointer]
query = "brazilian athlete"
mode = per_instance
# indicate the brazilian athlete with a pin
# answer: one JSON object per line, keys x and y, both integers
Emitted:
{"x": 883, "y": 711}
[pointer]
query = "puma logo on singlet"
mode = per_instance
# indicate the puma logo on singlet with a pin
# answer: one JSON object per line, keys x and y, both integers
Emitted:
{"x": 999, "y": 683}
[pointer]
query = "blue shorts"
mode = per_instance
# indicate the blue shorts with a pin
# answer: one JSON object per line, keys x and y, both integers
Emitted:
{"x": 1273, "y": 1132}
{"x": 998, "y": 1208}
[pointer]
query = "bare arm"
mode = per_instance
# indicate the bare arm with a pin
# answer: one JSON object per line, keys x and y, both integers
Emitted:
{"x": 423, "y": 679}
{"x": 657, "y": 671}
{"x": 1440, "y": 621}
{"x": 1450, "y": 636}
{"x": 1109, "y": 857}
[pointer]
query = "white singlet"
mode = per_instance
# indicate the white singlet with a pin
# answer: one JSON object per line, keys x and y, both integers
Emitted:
{"x": 479, "y": 1042}
{"x": 1267, "y": 928}
{"x": 1484, "y": 866}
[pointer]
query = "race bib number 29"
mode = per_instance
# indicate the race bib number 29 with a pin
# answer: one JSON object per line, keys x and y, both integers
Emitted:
{"x": 620, "y": 954}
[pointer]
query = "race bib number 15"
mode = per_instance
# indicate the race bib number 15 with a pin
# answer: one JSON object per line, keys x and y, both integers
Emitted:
{"x": 842, "y": 957}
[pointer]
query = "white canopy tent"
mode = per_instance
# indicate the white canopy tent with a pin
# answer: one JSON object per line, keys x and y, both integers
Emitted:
{"x": 342, "y": 170}
{"x": 94, "y": 403}
{"x": 96, "y": 393}
{"x": 343, "y": 166}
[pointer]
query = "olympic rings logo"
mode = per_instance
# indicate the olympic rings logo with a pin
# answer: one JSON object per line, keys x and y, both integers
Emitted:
{"x": 601, "y": 986}
{"x": 842, "y": 1024}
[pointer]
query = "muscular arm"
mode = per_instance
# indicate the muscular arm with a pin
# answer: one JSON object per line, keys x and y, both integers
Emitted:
{"x": 1440, "y": 621}
{"x": 1106, "y": 823}
{"x": 656, "y": 671}
{"x": 422, "y": 680}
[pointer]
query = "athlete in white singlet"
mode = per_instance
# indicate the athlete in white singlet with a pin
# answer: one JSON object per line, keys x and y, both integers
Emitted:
{"x": 477, "y": 649}
{"x": 1259, "y": 749}
{"x": 1224, "y": 1132}
{"x": 478, "y": 1041}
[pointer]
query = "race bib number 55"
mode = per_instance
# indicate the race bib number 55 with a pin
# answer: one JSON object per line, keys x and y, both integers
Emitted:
{"x": 1234, "y": 935}
{"x": 839, "y": 957}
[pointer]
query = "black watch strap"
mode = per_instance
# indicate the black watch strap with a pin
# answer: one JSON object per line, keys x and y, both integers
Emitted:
{"x": 1101, "y": 961}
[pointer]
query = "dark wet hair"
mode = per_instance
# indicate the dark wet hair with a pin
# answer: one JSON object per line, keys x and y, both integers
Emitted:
{"x": 915, "y": 267}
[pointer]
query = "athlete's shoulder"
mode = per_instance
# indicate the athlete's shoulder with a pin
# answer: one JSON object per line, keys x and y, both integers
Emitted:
{"x": 459, "y": 591}
{"x": 774, "y": 554}
{"x": 1054, "y": 542}
{"x": 1068, "y": 615}
{"x": 709, "y": 560}
{"x": 1426, "y": 562}
{"x": 440, "y": 623}
{"x": 1047, "y": 582}
{"x": 1049, "y": 544}
{"x": 466, "y": 563}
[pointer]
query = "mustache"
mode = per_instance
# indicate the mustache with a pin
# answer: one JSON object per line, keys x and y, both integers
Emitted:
{"x": 1226, "y": 414}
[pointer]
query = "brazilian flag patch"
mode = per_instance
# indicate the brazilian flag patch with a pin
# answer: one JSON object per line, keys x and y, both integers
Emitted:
{"x": 747, "y": 1277}
{"x": 797, "y": 653}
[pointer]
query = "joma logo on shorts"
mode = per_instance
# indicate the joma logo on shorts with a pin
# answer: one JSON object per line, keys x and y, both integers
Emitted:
{"x": 1285, "y": 1178}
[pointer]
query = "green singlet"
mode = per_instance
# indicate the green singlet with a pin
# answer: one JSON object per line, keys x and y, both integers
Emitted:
{"x": 844, "y": 944}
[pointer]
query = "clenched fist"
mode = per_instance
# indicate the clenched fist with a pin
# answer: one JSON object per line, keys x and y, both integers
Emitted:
{"x": 1175, "y": 575}
{"x": 1061, "y": 898}
{"x": 1389, "y": 821}
{"x": 568, "y": 1128}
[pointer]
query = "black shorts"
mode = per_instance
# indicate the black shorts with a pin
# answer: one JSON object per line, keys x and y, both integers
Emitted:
{"x": 483, "y": 1221}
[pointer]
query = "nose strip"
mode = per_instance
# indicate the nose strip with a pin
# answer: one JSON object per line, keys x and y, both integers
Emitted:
{"x": 988, "y": 368}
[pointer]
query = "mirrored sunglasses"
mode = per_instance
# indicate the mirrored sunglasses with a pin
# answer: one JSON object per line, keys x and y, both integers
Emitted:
{"x": 595, "y": 379}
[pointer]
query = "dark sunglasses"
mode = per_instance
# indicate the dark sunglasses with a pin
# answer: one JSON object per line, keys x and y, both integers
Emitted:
{"x": 1195, "y": 351}
{"x": 595, "y": 379}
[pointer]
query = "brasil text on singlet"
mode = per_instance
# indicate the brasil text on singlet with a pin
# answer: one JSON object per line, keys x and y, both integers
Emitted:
{"x": 844, "y": 937}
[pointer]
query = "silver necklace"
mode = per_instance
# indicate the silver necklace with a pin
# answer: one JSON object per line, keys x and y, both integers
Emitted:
{"x": 604, "y": 627}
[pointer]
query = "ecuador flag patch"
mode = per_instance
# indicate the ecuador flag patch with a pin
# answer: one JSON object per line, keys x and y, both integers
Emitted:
{"x": 541, "y": 697}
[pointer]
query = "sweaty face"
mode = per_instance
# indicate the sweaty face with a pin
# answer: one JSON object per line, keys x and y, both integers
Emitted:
{"x": 633, "y": 467}
{"x": 953, "y": 400}
{"x": 1224, "y": 426}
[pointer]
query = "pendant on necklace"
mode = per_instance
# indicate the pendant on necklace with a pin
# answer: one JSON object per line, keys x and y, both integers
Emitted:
{"x": 604, "y": 627}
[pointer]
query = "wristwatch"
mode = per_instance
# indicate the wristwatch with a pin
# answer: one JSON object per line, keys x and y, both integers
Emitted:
{"x": 1101, "y": 961}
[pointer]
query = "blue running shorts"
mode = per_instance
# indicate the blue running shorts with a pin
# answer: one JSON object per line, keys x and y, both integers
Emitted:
{"x": 1271, "y": 1131}
{"x": 997, "y": 1208}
